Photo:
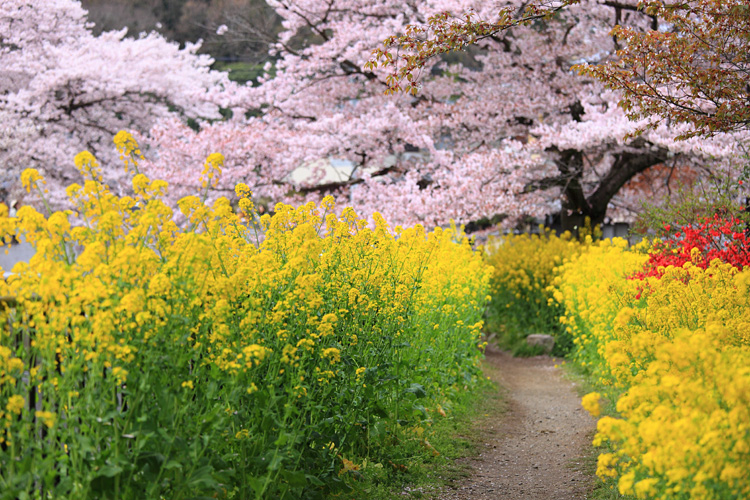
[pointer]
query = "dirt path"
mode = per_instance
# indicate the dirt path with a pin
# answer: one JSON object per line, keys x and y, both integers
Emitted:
{"x": 533, "y": 451}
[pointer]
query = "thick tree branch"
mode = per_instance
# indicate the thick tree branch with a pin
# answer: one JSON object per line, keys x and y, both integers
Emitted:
{"x": 640, "y": 157}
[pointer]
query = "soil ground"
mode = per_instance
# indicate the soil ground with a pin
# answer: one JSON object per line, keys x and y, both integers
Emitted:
{"x": 535, "y": 448}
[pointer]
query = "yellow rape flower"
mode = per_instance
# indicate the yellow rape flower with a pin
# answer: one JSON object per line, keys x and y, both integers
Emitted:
{"x": 15, "y": 404}
{"x": 128, "y": 148}
{"x": 242, "y": 190}
{"x": 159, "y": 285}
{"x": 333, "y": 354}
{"x": 145, "y": 290}
{"x": 645, "y": 487}
{"x": 86, "y": 163}
{"x": 327, "y": 323}
{"x": 590, "y": 403}
{"x": 255, "y": 353}
{"x": 306, "y": 344}
{"x": 212, "y": 171}
{"x": 289, "y": 354}
{"x": 29, "y": 179}
{"x": 605, "y": 465}
{"x": 47, "y": 417}
{"x": 625, "y": 483}
{"x": 120, "y": 374}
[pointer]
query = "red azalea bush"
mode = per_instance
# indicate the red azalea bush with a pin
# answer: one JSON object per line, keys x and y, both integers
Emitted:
{"x": 722, "y": 237}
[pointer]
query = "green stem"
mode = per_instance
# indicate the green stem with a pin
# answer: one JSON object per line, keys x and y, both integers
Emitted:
{"x": 117, "y": 446}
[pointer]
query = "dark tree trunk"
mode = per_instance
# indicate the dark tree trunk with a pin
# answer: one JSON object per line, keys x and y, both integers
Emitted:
{"x": 577, "y": 206}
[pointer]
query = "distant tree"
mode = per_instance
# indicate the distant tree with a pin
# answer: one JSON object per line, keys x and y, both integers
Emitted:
{"x": 252, "y": 23}
{"x": 689, "y": 67}
{"x": 113, "y": 15}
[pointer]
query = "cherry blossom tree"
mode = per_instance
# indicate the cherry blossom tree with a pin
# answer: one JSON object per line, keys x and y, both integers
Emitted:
{"x": 63, "y": 90}
{"x": 690, "y": 66}
{"x": 505, "y": 129}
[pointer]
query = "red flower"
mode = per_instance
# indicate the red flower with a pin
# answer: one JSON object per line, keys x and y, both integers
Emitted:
{"x": 717, "y": 237}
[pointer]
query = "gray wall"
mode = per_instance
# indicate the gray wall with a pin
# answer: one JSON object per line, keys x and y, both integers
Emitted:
{"x": 16, "y": 253}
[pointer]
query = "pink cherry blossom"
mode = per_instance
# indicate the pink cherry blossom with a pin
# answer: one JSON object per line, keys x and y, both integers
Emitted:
{"x": 505, "y": 128}
{"x": 63, "y": 90}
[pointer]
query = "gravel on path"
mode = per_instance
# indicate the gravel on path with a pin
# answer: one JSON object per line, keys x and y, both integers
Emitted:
{"x": 535, "y": 449}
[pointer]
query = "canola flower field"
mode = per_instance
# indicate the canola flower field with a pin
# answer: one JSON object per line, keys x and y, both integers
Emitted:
{"x": 287, "y": 355}
{"x": 234, "y": 356}
{"x": 664, "y": 330}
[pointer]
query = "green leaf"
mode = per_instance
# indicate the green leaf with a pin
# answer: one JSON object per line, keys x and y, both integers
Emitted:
{"x": 109, "y": 471}
{"x": 257, "y": 484}
{"x": 314, "y": 480}
{"x": 417, "y": 390}
{"x": 173, "y": 464}
{"x": 419, "y": 410}
{"x": 202, "y": 478}
{"x": 296, "y": 479}
{"x": 282, "y": 440}
{"x": 276, "y": 462}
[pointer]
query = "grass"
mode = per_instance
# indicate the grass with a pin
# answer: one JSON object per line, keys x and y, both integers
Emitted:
{"x": 510, "y": 334}
{"x": 455, "y": 436}
{"x": 524, "y": 350}
{"x": 458, "y": 436}
{"x": 514, "y": 341}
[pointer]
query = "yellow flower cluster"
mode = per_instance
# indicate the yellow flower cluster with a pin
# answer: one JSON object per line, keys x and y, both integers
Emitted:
{"x": 592, "y": 290}
{"x": 523, "y": 267}
{"x": 675, "y": 352}
{"x": 135, "y": 338}
{"x": 130, "y": 152}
